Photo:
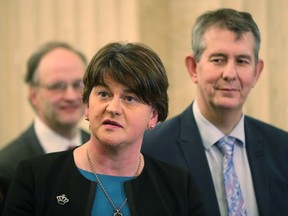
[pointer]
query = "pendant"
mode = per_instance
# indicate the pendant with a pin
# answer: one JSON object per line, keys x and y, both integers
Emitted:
{"x": 117, "y": 213}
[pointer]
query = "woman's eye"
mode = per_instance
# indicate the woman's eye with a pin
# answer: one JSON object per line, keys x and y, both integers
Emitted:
{"x": 103, "y": 94}
{"x": 131, "y": 99}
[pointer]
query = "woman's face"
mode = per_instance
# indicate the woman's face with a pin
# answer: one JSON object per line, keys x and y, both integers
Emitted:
{"x": 117, "y": 116}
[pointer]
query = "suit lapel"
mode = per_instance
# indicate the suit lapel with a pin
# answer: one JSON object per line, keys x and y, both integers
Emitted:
{"x": 79, "y": 190}
{"x": 32, "y": 142}
{"x": 190, "y": 143}
{"x": 192, "y": 148}
{"x": 258, "y": 167}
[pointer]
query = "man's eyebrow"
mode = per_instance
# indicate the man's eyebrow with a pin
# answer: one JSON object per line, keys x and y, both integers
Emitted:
{"x": 245, "y": 56}
{"x": 217, "y": 55}
{"x": 224, "y": 55}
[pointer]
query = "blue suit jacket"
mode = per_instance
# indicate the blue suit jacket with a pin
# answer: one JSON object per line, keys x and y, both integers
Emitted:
{"x": 177, "y": 141}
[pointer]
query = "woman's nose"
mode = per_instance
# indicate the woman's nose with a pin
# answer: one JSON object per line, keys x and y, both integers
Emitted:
{"x": 114, "y": 106}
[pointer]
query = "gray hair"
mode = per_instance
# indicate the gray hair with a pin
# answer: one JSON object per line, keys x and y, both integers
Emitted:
{"x": 235, "y": 21}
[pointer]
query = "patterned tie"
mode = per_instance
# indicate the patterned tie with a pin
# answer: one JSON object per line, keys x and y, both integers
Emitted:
{"x": 232, "y": 187}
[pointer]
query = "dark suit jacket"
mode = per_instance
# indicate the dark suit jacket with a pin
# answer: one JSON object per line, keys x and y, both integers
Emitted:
{"x": 161, "y": 189}
{"x": 177, "y": 141}
{"x": 23, "y": 147}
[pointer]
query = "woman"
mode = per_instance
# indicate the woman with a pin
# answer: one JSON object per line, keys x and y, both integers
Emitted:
{"x": 125, "y": 92}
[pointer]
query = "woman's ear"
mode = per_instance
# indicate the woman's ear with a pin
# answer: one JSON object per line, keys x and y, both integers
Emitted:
{"x": 86, "y": 116}
{"x": 153, "y": 119}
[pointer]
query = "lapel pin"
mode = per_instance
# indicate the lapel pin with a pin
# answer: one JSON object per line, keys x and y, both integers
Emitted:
{"x": 62, "y": 199}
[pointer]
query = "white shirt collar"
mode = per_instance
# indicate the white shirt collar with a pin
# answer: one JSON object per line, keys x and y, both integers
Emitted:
{"x": 50, "y": 140}
{"x": 211, "y": 134}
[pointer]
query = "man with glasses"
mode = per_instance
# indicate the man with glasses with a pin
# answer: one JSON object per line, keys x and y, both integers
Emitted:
{"x": 54, "y": 78}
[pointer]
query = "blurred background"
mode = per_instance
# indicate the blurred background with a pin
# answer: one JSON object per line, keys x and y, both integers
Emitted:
{"x": 164, "y": 25}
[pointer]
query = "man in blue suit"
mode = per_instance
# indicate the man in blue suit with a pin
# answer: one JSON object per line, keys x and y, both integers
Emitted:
{"x": 225, "y": 66}
{"x": 54, "y": 77}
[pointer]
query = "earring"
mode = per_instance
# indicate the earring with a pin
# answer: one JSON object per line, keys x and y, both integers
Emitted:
{"x": 151, "y": 127}
{"x": 86, "y": 118}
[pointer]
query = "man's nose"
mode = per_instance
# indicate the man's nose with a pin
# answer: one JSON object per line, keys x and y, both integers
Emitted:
{"x": 230, "y": 71}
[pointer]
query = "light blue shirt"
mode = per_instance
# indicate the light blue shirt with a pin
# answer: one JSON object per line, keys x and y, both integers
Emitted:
{"x": 210, "y": 135}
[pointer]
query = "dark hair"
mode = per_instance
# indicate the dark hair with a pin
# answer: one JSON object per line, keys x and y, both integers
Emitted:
{"x": 35, "y": 58}
{"x": 134, "y": 65}
{"x": 235, "y": 21}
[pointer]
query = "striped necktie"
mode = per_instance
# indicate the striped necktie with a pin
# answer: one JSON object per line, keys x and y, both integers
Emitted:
{"x": 232, "y": 187}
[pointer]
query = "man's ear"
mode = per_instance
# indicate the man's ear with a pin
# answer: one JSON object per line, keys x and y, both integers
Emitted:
{"x": 258, "y": 70}
{"x": 32, "y": 96}
{"x": 191, "y": 67}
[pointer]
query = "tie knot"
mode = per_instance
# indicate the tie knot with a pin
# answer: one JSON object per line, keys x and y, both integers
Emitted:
{"x": 226, "y": 145}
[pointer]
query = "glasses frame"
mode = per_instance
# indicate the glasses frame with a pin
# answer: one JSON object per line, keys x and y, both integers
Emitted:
{"x": 62, "y": 87}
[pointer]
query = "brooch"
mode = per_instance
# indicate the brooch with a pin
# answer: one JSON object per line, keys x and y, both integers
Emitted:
{"x": 62, "y": 199}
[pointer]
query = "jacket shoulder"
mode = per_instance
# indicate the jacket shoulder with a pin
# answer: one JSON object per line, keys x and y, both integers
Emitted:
{"x": 263, "y": 128}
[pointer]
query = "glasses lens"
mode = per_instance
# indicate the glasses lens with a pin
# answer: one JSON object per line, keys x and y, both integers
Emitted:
{"x": 78, "y": 85}
{"x": 60, "y": 86}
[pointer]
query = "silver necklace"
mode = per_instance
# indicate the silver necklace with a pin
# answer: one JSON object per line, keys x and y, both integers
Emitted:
{"x": 117, "y": 211}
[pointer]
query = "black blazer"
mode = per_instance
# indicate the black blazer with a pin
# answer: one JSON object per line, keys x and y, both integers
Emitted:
{"x": 177, "y": 141}
{"x": 161, "y": 189}
{"x": 23, "y": 147}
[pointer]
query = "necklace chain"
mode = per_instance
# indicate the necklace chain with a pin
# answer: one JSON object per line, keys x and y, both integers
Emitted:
{"x": 117, "y": 211}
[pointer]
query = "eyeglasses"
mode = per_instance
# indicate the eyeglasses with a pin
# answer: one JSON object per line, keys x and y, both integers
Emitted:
{"x": 62, "y": 86}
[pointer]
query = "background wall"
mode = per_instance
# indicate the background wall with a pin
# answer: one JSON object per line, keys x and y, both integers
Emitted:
{"x": 164, "y": 25}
